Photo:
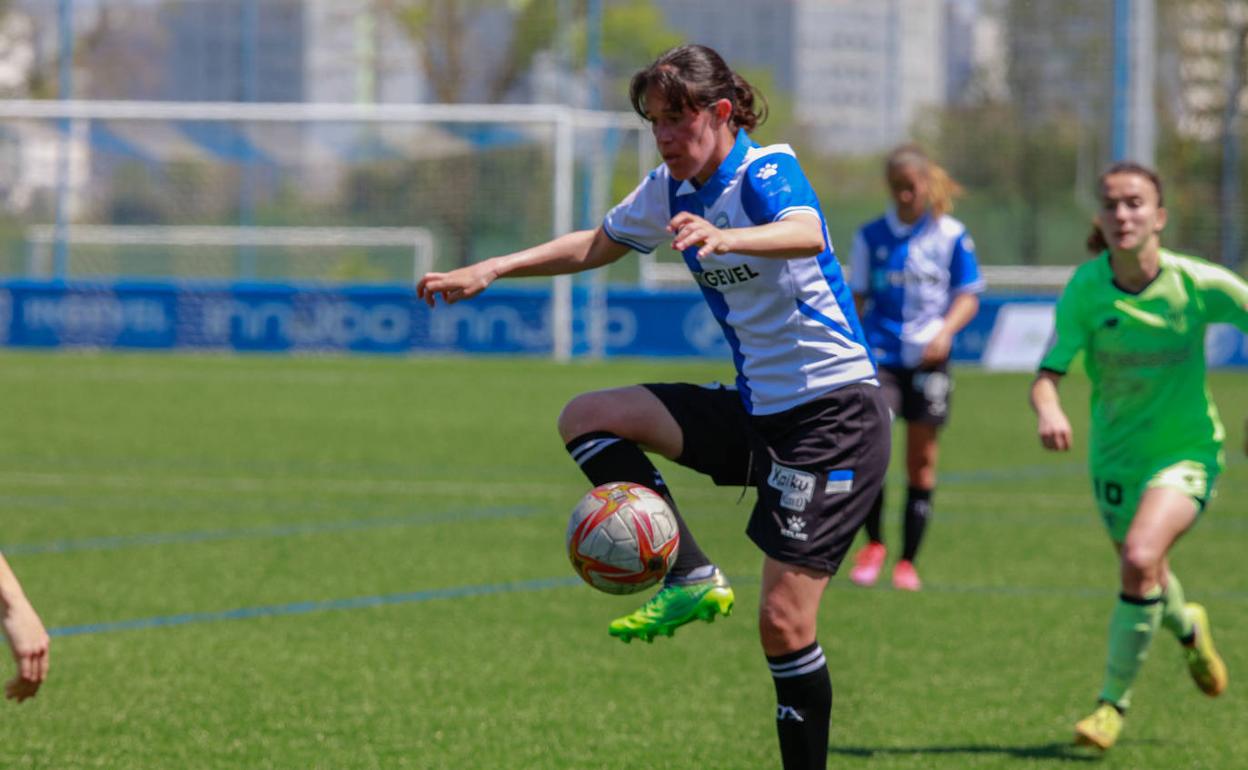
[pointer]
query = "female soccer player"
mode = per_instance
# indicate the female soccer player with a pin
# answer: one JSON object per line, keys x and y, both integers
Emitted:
{"x": 805, "y": 424}
{"x": 916, "y": 278}
{"x": 1139, "y": 312}
{"x": 27, "y": 638}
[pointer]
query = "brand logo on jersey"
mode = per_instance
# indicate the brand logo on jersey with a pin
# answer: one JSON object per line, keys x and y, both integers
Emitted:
{"x": 767, "y": 171}
{"x": 796, "y": 488}
{"x": 726, "y": 276}
{"x": 1110, "y": 322}
{"x": 792, "y": 527}
{"x": 721, "y": 220}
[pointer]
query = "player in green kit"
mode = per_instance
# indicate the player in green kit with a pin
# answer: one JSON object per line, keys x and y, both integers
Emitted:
{"x": 1139, "y": 313}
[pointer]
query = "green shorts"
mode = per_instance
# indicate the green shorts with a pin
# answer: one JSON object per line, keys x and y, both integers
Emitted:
{"x": 1118, "y": 494}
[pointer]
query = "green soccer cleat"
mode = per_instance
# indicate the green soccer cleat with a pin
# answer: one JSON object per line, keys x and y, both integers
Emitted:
{"x": 1100, "y": 728}
{"x": 1203, "y": 662}
{"x": 675, "y": 605}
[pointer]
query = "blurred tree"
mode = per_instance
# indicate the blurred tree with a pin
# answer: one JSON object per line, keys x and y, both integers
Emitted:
{"x": 450, "y": 35}
{"x": 446, "y": 33}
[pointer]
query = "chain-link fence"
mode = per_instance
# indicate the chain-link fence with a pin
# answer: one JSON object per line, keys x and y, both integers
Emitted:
{"x": 1022, "y": 100}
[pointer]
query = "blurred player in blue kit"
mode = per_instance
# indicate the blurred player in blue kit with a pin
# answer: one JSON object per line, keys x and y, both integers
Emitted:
{"x": 805, "y": 424}
{"x": 916, "y": 279}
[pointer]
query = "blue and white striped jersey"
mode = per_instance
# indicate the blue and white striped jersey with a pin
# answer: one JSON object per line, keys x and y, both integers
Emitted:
{"x": 790, "y": 323}
{"x": 910, "y": 273}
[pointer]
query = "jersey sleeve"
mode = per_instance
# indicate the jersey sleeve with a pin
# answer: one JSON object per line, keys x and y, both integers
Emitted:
{"x": 859, "y": 265}
{"x": 1224, "y": 293}
{"x": 640, "y": 220}
{"x": 775, "y": 187}
{"x": 1069, "y": 334}
{"x": 964, "y": 275}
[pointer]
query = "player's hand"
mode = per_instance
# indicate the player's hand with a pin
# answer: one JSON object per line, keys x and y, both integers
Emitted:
{"x": 458, "y": 284}
{"x": 937, "y": 351}
{"x": 1054, "y": 430}
{"x": 29, "y": 642}
{"x": 692, "y": 230}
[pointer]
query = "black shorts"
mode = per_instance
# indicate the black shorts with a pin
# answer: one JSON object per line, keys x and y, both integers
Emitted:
{"x": 817, "y": 468}
{"x": 918, "y": 395}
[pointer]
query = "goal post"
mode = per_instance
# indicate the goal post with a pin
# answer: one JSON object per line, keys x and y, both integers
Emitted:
{"x": 468, "y": 181}
{"x": 411, "y": 250}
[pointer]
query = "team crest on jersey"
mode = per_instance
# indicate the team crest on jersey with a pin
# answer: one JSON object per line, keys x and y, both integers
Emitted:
{"x": 767, "y": 171}
{"x": 796, "y": 488}
{"x": 721, "y": 219}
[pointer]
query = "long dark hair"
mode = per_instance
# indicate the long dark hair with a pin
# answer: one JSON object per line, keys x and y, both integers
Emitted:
{"x": 696, "y": 77}
{"x": 1096, "y": 242}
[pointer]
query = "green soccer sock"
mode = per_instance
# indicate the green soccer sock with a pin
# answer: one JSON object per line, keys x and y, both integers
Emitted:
{"x": 1173, "y": 618}
{"x": 1131, "y": 629}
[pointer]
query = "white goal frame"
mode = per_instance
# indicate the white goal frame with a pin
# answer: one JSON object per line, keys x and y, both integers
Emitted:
{"x": 40, "y": 238}
{"x": 563, "y": 119}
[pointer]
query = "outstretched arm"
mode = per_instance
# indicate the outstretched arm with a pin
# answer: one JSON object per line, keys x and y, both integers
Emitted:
{"x": 27, "y": 637}
{"x": 1053, "y": 427}
{"x": 571, "y": 253}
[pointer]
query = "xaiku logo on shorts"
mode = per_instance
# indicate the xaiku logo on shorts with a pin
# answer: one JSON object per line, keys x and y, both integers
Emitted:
{"x": 796, "y": 487}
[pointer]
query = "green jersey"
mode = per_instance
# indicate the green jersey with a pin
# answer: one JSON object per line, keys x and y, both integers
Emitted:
{"x": 1145, "y": 356}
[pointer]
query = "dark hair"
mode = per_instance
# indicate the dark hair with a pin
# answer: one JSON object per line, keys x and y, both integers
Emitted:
{"x": 696, "y": 77}
{"x": 1096, "y": 241}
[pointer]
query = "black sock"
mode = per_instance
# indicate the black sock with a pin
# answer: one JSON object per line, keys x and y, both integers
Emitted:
{"x": 918, "y": 512}
{"x": 874, "y": 522}
{"x": 605, "y": 457}
{"x": 803, "y": 707}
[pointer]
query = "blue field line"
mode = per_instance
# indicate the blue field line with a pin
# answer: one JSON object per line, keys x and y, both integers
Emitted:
{"x": 530, "y": 586}
{"x": 304, "y": 608}
{"x": 285, "y": 530}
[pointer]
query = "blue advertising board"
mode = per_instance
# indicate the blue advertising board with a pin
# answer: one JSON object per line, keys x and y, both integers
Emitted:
{"x": 390, "y": 319}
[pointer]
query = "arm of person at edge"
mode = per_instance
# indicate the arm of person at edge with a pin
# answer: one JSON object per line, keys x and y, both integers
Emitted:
{"x": 571, "y": 253}
{"x": 797, "y": 235}
{"x": 27, "y": 638}
{"x": 961, "y": 311}
{"x": 1052, "y": 425}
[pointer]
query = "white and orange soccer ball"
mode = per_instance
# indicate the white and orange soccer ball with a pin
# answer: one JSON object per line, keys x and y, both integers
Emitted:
{"x": 622, "y": 537}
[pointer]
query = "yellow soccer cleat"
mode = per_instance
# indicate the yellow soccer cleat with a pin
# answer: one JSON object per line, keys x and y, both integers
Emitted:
{"x": 1100, "y": 728}
{"x": 674, "y": 606}
{"x": 1203, "y": 662}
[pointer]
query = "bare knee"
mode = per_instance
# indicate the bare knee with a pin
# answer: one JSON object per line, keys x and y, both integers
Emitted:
{"x": 783, "y": 630}
{"x": 1141, "y": 566}
{"x": 586, "y": 413}
{"x": 633, "y": 413}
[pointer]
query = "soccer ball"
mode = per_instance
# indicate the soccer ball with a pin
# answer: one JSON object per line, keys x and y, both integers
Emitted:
{"x": 622, "y": 538}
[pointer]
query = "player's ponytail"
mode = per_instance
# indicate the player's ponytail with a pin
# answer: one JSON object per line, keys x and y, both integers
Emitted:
{"x": 942, "y": 189}
{"x": 1096, "y": 242}
{"x": 695, "y": 76}
{"x": 744, "y": 113}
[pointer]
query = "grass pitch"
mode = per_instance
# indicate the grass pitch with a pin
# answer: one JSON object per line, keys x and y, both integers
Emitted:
{"x": 253, "y": 562}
